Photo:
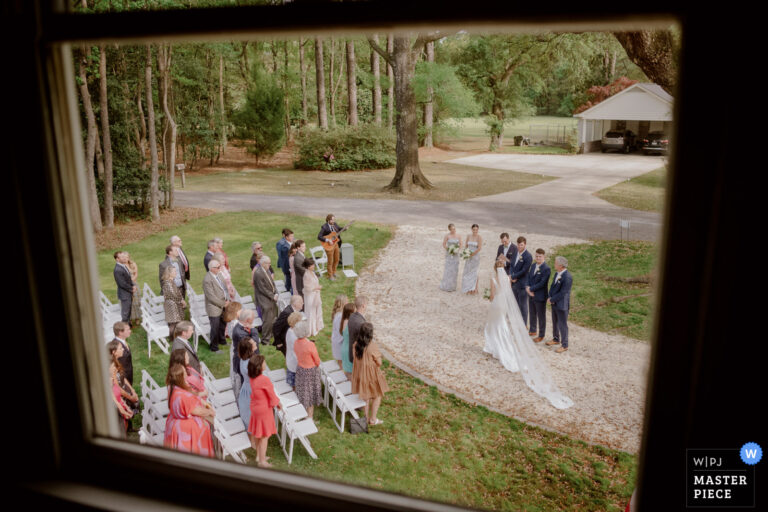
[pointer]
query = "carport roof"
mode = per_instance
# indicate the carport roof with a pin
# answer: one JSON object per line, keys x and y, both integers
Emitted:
{"x": 640, "y": 102}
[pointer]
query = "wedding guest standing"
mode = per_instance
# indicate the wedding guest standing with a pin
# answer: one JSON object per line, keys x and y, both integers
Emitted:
{"x": 292, "y": 267}
{"x": 346, "y": 353}
{"x": 244, "y": 352}
{"x": 209, "y": 254}
{"x": 538, "y": 278}
{"x": 308, "y": 370}
{"x": 216, "y": 299}
{"x": 337, "y": 338}
{"x": 173, "y": 301}
{"x": 185, "y": 428}
{"x": 313, "y": 304}
{"x": 280, "y": 327}
{"x": 194, "y": 379}
{"x": 291, "y": 363}
{"x": 176, "y": 242}
{"x": 182, "y": 334}
{"x": 125, "y": 286}
{"x": 122, "y": 330}
{"x": 451, "y": 243}
{"x": 126, "y": 399}
{"x": 283, "y": 247}
{"x": 474, "y": 243}
{"x": 261, "y": 424}
{"x": 241, "y": 332}
{"x": 220, "y": 249}
{"x": 298, "y": 265}
{"x": 356, "y": 319}
{"x": 560, "y": 298}
{"x": 519, "y": 266}
{"x": 135, "y": 299}
{"x": 172, "y": 260}
{"x": 265, "y": 296}
{"x": 258, "y": 252}
{"x": 367, "y": 378}
{"x": 225, "y": 275}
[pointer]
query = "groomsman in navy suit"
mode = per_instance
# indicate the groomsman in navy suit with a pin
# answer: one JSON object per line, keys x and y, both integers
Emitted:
{"x": 560, "y": 298}
{"x": 519, "y": 265}
{"x": 538, "y": 278}
{"x": 506, "y": 249}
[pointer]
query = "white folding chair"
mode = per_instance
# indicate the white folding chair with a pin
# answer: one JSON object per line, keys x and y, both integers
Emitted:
{"x": 157, "y": 333}
{"x": 231, "y": 445}
{"x": 296, "y": 430}
{"x": 219, "y": 385}
{"x": 343, "y": 404}
{"x": 321, "y": 259}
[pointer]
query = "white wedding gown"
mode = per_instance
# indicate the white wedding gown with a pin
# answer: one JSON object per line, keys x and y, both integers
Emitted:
{"x": 507, "y": 339}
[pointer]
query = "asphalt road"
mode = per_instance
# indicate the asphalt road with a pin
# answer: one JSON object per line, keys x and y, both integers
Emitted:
{"x": 588, "y": 222}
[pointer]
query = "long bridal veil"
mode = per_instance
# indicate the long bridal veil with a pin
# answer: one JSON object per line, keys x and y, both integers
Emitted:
{"x": 506, "y": 338}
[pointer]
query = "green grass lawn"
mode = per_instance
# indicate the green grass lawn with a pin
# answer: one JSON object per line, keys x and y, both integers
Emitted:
{"x": 600, "y": 298}
{"x": 471, "y": 134}
{"x": 432, "y": 445}
{"x": 645, "y": 192}
{"x": 453, "y": 182}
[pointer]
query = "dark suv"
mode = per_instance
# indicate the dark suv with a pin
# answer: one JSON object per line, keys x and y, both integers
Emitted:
{"x": 656, "y": 143}
{"x": 623, "y": 141}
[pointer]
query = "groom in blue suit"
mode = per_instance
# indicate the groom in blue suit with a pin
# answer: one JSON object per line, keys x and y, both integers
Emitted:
{"x": 519, "y": 265}
{"x": 560, "y": 298}
{"x": 538, "y": 278}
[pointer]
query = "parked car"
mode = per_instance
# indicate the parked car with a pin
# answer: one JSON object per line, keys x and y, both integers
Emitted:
{"x": 624, "y": 141}
{"x": 656, "y": 143}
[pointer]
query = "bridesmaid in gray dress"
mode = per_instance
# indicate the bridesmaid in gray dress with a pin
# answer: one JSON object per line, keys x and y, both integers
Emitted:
{"x": 451, "y": 272}
{"x": 471, "y": 267}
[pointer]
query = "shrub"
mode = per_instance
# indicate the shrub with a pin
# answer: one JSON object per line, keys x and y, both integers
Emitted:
{"x": 260, "y": 121}
{"x": 346, "y": 149}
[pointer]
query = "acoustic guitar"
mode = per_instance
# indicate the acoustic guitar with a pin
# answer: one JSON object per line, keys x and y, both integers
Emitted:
{"x": 334, "y": 237}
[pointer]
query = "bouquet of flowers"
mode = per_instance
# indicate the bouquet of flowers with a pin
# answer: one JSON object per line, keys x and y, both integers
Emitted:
{"x": 466, "y": 253}
{"x": 453, "y": 250}
{"x": 487, "y": 294}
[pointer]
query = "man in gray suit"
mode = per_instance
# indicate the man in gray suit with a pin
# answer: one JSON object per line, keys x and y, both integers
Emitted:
{"x": 172, "y": 259}
{"x": 356, "y": 319}
{"x": 184, "y": 331}
{"x": 216, "y": 299}
{"x": 265, "y": 296}
{"x": 298, "y": 266}
{"x": 125, "y": 286}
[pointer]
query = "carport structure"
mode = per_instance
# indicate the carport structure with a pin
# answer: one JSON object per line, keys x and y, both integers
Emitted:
{"x": 642, "y": 108}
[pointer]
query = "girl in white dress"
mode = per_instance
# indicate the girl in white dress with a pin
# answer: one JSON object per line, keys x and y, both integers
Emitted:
{"x": 313, "y": 305}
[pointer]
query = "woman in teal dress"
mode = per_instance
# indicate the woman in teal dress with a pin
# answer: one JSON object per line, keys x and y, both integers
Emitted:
{"x": 346, "y": 363}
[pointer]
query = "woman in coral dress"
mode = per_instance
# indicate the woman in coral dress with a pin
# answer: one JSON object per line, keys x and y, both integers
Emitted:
{"x": 367, "y": 378}
{"x": 313, "y": 305}
{"x": 263, "y": 399}
{"x": 194, "y": 379}
{"x": 185, "y": 428}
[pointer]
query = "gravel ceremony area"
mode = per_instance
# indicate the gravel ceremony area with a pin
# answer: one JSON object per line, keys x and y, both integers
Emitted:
{"x": 440, "y": 335}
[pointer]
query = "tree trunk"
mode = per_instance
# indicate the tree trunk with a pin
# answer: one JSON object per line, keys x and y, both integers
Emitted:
{"x": 245, "y": 71}
{"x": 322, "y": 114}
{"x": 109, "y": 210}
{"x": 331, "y": 88}
{"x": 391, "y": 89}
{"x": 287, "y": 120}
{"x": 497, "y": 128}
{"x": 376, "y": 92}
{"x": 154, "y": 193}
{"x": 408, "y": 173}
{"x": 428, "y": 106}
{"x": 654, "y": 52}
{"x": 223, "y": 123}
{"x": 142, "y": 125}
{"x": 90, "y": 142}
{"x": 164, "y": 66}
{"x": 351, "y": 84}
{"x": 303, "y": 75}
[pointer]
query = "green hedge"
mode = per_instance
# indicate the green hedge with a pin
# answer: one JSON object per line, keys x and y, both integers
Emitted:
{"x": 346, "y": 149}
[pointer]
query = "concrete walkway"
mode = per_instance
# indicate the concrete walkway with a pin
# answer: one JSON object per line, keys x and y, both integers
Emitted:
{"x": 596, "y": 222}
{"x": 580, "y": 176}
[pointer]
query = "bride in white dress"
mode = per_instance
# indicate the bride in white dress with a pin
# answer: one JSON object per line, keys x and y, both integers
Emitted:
{"x": 506, "y": 339}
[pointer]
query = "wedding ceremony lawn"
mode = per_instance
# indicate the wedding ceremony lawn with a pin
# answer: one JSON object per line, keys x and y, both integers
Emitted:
{"x": 432, "y": 444}
{"x": 645, "y": 192}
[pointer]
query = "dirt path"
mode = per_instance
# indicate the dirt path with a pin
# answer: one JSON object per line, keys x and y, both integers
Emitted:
{"x": 440, "y": 335}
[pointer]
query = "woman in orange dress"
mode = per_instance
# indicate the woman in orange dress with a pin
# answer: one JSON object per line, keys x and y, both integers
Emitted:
{"x": 263, "y": 399}
{"x": 367, "y": 378}
{"x": 185, "y": 428}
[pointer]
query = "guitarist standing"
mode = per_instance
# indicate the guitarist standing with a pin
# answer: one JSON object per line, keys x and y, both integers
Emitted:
{"x": 331, "y": 243}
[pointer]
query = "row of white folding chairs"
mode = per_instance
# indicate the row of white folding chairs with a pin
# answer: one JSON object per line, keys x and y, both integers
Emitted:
{"x": 154, "y": 412}
{"x": 337, "y": 395}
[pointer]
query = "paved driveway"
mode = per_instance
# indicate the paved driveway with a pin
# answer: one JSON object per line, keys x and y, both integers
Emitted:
{"x": 580, "y": 176}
